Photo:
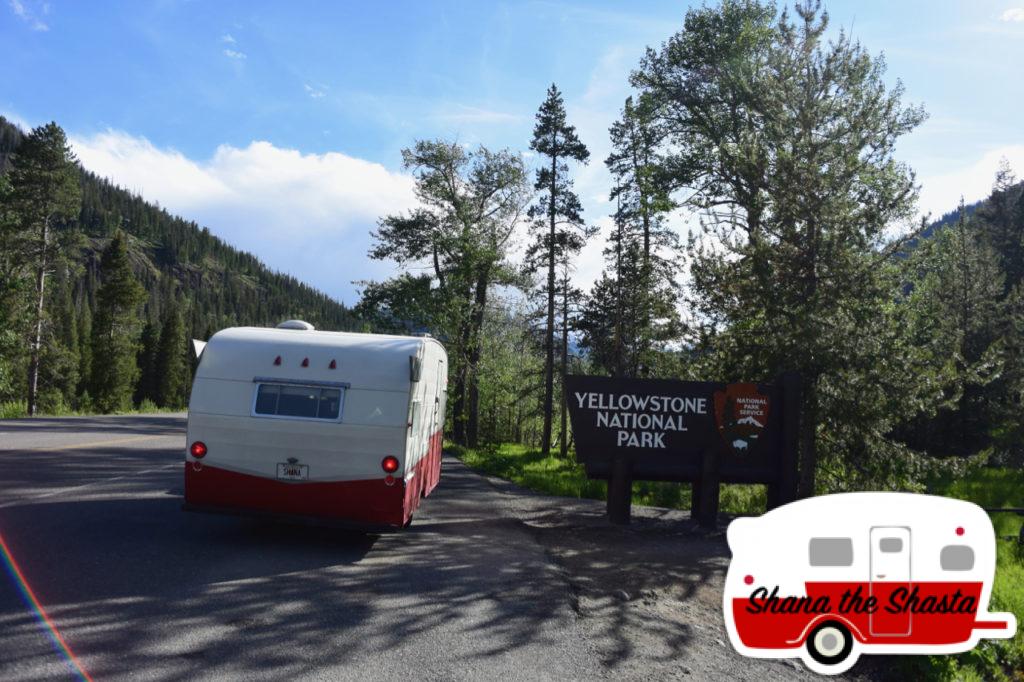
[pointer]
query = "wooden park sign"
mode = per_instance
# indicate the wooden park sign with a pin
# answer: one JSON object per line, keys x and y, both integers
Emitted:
{"x": 704, "y": 433}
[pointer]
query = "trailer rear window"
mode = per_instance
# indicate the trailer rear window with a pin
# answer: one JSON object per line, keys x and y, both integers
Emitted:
{"x": 298, "y": 402}
{"x": 956, "y": 558}
{"x": 831, "y": 552}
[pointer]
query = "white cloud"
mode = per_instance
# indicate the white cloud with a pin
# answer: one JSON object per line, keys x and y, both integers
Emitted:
{"x": 23, "y": 12}
{"x": 16, "y": 120}
{"x": 228, "y": 38}
{"x": 234, "y": 54}
{"x": 306, "y": 214}
{"x": 940, "y": 193}
{"x": 315, "y": 92}
{"x": 1014, "y": 14}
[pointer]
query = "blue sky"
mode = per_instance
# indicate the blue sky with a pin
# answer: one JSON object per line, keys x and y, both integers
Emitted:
{"x": 279, "y": 125}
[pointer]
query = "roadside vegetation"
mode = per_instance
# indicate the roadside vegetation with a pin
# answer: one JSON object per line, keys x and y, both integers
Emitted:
{"x": 1003, "y": 660}
{"x": 16, "y": 409}
{"x": 552, "y": 475}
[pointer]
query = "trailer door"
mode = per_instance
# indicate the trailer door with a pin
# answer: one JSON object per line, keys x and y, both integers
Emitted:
{"x": 890, "y": 570}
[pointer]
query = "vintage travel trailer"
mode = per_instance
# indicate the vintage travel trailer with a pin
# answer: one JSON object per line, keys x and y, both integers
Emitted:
{"x": 297, "y": 423}
{"x": 828, "y": 578}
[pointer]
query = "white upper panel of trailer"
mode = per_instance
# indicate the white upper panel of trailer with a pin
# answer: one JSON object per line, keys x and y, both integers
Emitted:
{"x": 363, "y": 361}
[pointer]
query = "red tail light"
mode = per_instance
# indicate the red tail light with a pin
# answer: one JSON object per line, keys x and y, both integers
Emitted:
{"x": 389, "y": 464}
{"x": 198, "y": 449}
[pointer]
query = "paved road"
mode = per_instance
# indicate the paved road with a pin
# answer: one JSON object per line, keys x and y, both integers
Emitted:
{"x": 90, "y": 510}
{"x": 488, "y": 583}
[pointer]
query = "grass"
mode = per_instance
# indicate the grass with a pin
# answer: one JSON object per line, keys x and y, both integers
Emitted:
{"x": 556, "y": 476}
{"x": 991, "y": 488}
{"x": 1000, "y": 660}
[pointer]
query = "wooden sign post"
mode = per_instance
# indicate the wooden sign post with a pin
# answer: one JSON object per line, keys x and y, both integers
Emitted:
{"x": 704, "y": 433}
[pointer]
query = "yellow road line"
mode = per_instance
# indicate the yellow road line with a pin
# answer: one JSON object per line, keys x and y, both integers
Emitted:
{"x": 91, "y": 444}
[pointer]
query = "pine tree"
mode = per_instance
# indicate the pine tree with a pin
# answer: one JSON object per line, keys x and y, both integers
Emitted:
{"x": 148, "y": 385}
{"x": 45, "y": 191}
{"x": 84, "y": 322}
{"x": 115, "y": 330}
{"x": 15, "y": 297}
{"x": 560, "y": 231}
{"x": 955, "y": 291}
{"x": 637, "y": 297}
{"x": 59, "y": 351}
{"x": 785, "y": 142}
{"x": 1002, "y": 216}
{"x": 170, "y": 360}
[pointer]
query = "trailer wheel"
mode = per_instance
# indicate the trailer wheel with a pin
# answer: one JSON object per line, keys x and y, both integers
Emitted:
{"x": 830, "y": 643}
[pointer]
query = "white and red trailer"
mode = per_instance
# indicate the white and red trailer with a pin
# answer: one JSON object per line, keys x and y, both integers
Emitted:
{"x": 297, "y": 423}
{"x": 828, "y": 578}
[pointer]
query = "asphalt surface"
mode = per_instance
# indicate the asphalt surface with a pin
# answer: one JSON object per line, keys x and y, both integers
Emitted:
{"x": 90, "y": 509}
{"x": 490, "y": 582}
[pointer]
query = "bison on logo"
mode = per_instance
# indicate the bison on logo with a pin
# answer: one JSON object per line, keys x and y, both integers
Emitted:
{"x": 741, "y": 414}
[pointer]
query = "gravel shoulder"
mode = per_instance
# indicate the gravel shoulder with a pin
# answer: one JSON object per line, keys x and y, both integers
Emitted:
{"x": 648, "y": 596}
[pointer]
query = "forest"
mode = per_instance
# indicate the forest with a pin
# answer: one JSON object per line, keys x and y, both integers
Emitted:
{"x": 762, "y": 223}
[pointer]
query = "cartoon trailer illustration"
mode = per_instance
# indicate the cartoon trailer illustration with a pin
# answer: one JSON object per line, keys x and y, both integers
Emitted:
{"x": 294, "y": 422}
{"x": 828, "y": 578}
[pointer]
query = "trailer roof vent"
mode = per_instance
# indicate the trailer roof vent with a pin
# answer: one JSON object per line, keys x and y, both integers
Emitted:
{"x": 296, "y": 324}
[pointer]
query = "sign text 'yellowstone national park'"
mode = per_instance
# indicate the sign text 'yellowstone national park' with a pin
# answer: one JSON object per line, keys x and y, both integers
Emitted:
{"x": 743, "y": 432}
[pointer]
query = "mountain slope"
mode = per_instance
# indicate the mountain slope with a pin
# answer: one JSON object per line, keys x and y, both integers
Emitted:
{"x": 173, "y": 257}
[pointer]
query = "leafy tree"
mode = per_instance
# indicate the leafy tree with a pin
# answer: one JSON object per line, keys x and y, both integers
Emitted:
{"x": 115, "y": 331}
{"x": 786, "y": 144}
{"x": 44, "y": 179}
{"x": 171, "y": 368}
{"x": 559, "y": 228}
{"x": 470, "y": 202}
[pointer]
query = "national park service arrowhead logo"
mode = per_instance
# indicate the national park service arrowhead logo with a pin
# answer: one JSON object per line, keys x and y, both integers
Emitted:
{"x": 741, "y": 413}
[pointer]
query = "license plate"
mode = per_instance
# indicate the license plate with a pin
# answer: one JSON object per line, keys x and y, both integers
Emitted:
{"x": 293, "y": 472}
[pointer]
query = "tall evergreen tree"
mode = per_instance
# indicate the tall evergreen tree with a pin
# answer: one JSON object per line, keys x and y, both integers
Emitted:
{"x": 45, "y": 186}
{"x": 84, "y": 355}
{"x": 959, "y": 319}
{"x": 15, "y": 298}
{"x": 786, "y": 143}
{"x": 559, "y": 227}
{"x": 636, "y": 299}
{"x": 147, "y": 387}
{"x": 1002, "y": 216}
{"x": 115, "y": 330}
{"x": 170, "y": 360}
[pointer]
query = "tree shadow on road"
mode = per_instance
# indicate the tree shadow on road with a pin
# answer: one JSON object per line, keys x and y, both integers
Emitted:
{"x": 137, "y": 585}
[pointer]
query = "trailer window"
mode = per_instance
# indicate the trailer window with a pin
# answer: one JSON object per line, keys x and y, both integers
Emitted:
{"x": 891, "y": 545}
{"x": 831, "y": 552}
{"x": 956, "y": 558}
{"x": 266, "y": 399}
{"x": 301, "y": 402}
{"x": 330, "y": 402}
